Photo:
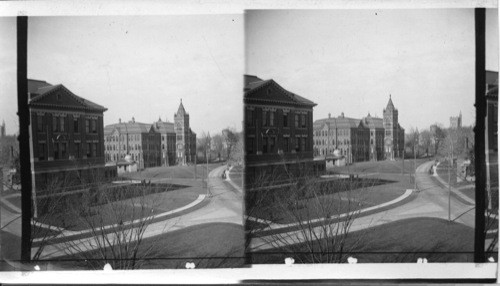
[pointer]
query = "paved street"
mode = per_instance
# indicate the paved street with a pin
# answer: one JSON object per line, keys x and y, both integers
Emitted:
{"x": 431, "y": 201}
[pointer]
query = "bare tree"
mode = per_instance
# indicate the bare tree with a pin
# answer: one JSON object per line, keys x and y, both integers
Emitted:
{"x": 231, "y": 139}
{"x": 438, "y": 136}
{"x": 118, "y": 224}
{"x": 110, "y": 220}
{"x": 203, "y": 145}
{"x": 426, "y": 141}
{"x": 307, "y": 217}
{"x": 412, "y": 140}
{"x": 218, "y": 145}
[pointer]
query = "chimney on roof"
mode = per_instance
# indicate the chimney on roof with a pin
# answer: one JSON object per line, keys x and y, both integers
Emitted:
{"x": 133, "y": 120}
{"x": 329, "y": 115}
{"x": 119, "y": 120}
{"x": 342, "y": 115}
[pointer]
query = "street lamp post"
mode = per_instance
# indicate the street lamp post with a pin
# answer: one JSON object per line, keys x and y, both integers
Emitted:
{"x": 415, "y": 165}
{"x": 206, "y": 152}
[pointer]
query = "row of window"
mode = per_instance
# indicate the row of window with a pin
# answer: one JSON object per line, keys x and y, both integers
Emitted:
{"x": 269, "y": 119}
{"x": 341, "y": 132}
{"x": 341, "y": 142}
{"x": 60, "y": 151}
{"x": 115, "y": 147}
{"x": 59, "y": 124}
{"x": 135, "y": 157}
{"x": 269, "y": 145}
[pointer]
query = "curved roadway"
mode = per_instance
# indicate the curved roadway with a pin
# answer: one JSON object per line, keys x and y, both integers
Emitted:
{"x": 431, "y": 201}
{"x": 225, "y": 206}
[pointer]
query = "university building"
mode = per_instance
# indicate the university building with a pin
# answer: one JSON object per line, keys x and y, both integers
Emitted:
{"x": 278, "y": 131}
{"x": 355, "y": 140}
{"x": 456, "y": 121}
{"x": 67, "y": 135}
{"x": 151, "y": 145}
{"x": 139, "y": 140}
{"x": 185, "y": 138}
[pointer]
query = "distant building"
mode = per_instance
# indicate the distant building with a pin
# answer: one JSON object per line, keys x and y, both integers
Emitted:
{"x": 377, "y": 133}
{"x": 185, "y": 138}
{"x": 139, "y": 140}
{"x": 2, "y": 129}
{"x": 456, "y": 122}
{"x": 394, "y": 134}
{"x": 278, "y": 130}
{"x": 356, "y": 140}
{"x": 168, "y": 140}
{"x": 67, "y": 136}
{"x": 349, "y": 136}
{"x": 491, "y": 140}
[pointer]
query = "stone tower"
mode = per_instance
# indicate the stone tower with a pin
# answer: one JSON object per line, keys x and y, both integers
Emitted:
{"x": 2, "y": 129}
{"x": 391, "y": 136}
{"x": 182, "y": 136}
{"x": 456, "y": 122}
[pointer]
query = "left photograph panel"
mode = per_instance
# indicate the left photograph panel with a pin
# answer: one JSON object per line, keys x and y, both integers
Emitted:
{"x": 135, "y": 127}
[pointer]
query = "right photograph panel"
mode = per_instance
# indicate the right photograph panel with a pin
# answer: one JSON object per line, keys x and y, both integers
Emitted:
{"x": 359, "y": 135}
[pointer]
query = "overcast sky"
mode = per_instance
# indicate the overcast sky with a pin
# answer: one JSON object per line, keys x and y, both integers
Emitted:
{"x": 136, "y": 66}
{"x": 351, "y": 60}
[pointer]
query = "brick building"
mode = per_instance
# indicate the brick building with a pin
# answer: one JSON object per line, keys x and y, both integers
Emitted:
{"x": 278, "y": 130}
{"x": 139, "y": 140}
{"x": 67, "y": 135}
{"x": 151, "y": 145}
{"x": 356, "y": 140}
{"x": 168, "y": 140}
{"x": 347, "y": 135}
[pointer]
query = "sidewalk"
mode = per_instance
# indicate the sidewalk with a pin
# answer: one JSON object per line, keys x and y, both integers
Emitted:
{"x": 431, "y": 202}
{"x": 213, "y": 212}
{"x": 228, "y": 179}
{"x": 453, "y": 189}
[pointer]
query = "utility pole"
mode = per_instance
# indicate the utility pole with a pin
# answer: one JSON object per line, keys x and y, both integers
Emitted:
{"x": 24, "y": 137}
{"x": 479, "y": 141}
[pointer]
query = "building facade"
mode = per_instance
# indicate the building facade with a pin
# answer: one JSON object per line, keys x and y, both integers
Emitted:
{"x": 278, "y": 131}
{"x": 394, "y": 136}
{"x": 357, "y": 140}
{"x": 139, "y": 140}
{"x": 67, "y": 135}
{"x": 161, "y": 143}
{"x": 2, "y": 129}
{"x": 347, "y": 137}
{"x": 456, "y": 121}
{"x": 185, "y": 138}
{"x": 167, "y": 133}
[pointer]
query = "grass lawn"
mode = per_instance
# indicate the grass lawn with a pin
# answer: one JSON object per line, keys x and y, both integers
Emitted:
{"x": 402, "y": 241}
{"x": 125, "y": 210}
{"x": 10, "y": 248}
{"x": 442, "y": 171}
{"x": 368, "y": 192}
{"x": 208, "y": 246}
{"x": 181, "y": 172}
{"x": 389, "y": 167}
